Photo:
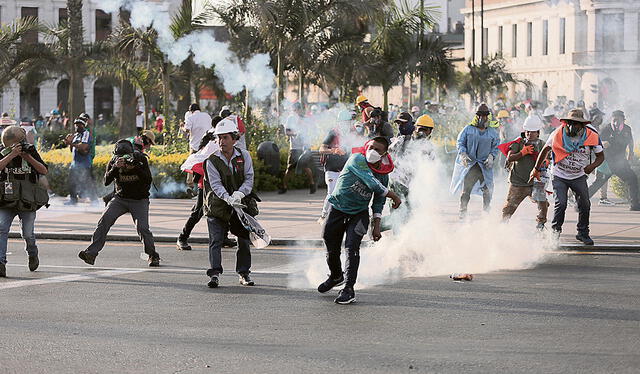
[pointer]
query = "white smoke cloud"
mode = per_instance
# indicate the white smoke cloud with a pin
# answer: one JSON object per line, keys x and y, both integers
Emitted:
{"x": 255, "y": 75}
{"x": 432, "y": 242}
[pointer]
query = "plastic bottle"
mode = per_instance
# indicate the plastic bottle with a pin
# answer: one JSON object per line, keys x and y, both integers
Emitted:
{"x": 461, "y": 277}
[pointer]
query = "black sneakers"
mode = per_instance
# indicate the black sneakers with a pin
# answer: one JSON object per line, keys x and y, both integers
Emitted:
{"x": 213, "y": 283}
{"x": 86, "y": 257}
{"x": 154, "y": 261}
{"x": 346, "y": 296}
{"x": 34, "y": 262}
{"x": 245, "y": 280}
{"x": 330, "y": 283}
{"x": 229, "y": 243}
{"x": 312, "y": 188}
{"x": 3, "y": 270}
{"x": 183, "y": 245}
{"x": 584, "y": 238}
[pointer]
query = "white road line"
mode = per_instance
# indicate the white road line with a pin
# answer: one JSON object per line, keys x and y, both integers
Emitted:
{"x": 281, "y": 269}
{"x": 68, "y": 278}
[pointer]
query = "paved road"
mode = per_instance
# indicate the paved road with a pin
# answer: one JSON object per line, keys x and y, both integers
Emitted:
{"x": 575, "y": 313}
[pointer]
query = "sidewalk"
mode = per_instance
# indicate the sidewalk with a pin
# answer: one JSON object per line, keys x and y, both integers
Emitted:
{"x": 293, "y": 217}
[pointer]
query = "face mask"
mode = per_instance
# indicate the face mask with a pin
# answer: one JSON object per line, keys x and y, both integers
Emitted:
{"x": 482, "y": 123}
{"x": 373, "y": 156}
{"x": 574, "y": 130}
{"x": 359, "y": 129}
{"x": 420, "y": 135}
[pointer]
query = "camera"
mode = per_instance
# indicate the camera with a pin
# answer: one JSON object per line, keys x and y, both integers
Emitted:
{"x": 27, "y": 147}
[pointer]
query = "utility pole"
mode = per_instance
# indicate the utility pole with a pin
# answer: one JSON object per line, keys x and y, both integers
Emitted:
{"x": 482, "y": 41}
{"x": 420, "y": 36}
{"x": 473, "y": 31}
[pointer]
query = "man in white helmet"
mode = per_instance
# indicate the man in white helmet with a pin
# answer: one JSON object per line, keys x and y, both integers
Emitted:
{"x": 521, "y": 158}
{"x": 228, "y": 184}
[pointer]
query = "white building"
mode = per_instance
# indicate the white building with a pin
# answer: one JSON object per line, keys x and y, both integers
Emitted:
{"x": 568, "y": 49}
{"x": 100, "y": 97}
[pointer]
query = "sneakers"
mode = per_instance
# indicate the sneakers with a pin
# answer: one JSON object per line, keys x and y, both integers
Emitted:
{"x": 87, "y": 257}
{"x": 245, "y": 280}
{"x": 282, "y": 191}
{"x": 606, "y": 202}
{"x": 346, "y": 296}
{"x": 3, "y": 270}
{"x": 183, "y": 245}
{"x": 229, "y": 243}
{"x": 213, "y": 283}
{"x": 154, "y": 261}
{"x": 34, "y": 262}
{"x": 584, "y": 238}
{"x": 330, "y": 283}
{"x": 312, "y": 188}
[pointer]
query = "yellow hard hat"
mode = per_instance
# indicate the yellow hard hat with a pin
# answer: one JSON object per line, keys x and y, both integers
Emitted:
{"x": 425, "y": 121}
{"x": 503, "y": 114}
{"x": 360, "y": 99}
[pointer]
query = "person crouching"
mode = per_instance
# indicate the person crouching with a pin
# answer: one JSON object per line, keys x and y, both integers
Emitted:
{"x": 365, "y": 177}
{"x": 228, "y": 184}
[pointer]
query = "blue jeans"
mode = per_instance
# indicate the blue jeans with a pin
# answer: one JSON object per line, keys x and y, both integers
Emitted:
{"x": 579, "y": 186}
{"x": 218, "y": 230}
{"x": 27, "y": 221}
{"x": 336, "y": 225}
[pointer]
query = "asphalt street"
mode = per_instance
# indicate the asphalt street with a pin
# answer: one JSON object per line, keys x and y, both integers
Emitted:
{"x": 576, "y": 313}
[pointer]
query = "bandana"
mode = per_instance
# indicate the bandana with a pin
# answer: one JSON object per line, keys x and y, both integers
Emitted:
{"x": 386, "y": 164}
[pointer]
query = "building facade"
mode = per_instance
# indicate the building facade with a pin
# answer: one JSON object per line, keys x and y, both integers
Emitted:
{"x": 100, "y": 96}
{"x": 568, "y": 49}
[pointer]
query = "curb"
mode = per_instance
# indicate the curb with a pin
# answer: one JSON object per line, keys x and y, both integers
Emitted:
{"x": 300, "y": 242}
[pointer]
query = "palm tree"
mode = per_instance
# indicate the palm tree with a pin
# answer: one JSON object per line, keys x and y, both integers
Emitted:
{"x": 432, "y": 63}
{"x": 489, "y": 76}
{"x": 76, "y": 58}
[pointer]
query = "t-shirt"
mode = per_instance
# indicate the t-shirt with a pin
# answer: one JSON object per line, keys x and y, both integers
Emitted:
{"x": 572, "y": 166}
{"x": 19, "y": 169}
{"x": 197, "y": 124}
{"x": 521, "y": 171}
{"x": 81, "y": 160}
{"x": 140, "y": 121}
{"x": 334, "y": 162}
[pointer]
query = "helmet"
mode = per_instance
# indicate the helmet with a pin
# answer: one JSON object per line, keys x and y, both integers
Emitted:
{"x": 532, "y": 123}
{"x": 360, "y": 99}
{"x": 404, "y": 117}
{"x": 344, "y": 115}
{"x": 415, "y": 108}
{"x": 549, "y": 112}
{"x": 483, "y": 109}
{"x": 503, "y": 114}
{"x": 425, "y": 121}
{"x": 226, "y": 126}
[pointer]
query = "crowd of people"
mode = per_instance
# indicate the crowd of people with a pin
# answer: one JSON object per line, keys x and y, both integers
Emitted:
{"x": 359, "y": 154}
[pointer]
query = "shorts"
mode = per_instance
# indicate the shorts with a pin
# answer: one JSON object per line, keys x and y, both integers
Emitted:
{"x": 292, "y": 161}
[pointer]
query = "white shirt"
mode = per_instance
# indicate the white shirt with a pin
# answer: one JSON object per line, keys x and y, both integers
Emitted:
{"x": 572, "y": 166}
{"x": 140, "y": 121}
{"x": 198, "y": 123}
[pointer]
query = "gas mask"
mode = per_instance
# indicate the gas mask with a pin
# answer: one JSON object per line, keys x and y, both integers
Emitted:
{"x": 406, "y": 128}
{"x": 373, "y": 156}
{"x": 574, "y": 129}
{"x": 617, "y": 124}
{"x": 482, "y": 122}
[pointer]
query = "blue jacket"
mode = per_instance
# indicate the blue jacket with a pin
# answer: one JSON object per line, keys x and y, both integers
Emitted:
{"x": 478, "y": 145}
{"x": 356, "y": 185}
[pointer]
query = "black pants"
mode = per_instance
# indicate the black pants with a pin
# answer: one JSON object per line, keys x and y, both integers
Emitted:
{"x": 81, "y": 184}
{"x": 194, "y": 218}
{"x": 561, "y": 187}
{"x": 355, "y": 226}
{"x": 473, "y": 176}
{"x": 622, "y": 170}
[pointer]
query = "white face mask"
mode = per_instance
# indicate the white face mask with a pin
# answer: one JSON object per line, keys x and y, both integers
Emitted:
{"x": 373, "y": 156}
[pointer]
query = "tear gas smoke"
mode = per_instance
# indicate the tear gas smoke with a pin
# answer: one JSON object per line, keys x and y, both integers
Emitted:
{"x": 255, "y": 74}
{"x": 429, "y": 241}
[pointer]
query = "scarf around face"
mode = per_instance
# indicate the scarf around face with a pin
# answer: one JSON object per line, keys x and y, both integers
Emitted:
{"x": 386, "y": 163}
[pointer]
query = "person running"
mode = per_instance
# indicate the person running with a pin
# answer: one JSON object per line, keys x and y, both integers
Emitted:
{"x": 365, "y": 177}
{"x": 617, "y": 139}
{"x": 571, "y": 146}
{"x": 477, "y": 150}
{"x": 521, "y": 156}
{"x": 129, "y": 170}
{"x": 228, "y": 184}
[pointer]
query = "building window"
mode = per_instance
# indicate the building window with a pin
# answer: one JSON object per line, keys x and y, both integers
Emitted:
{"x": 500, "y": 39}
{"x": 514, "y": 41}
{"x": 613, "y": 36}
{"x": 545, "y": 37}
{"x": 485, "y": 42}
{"x": 563, "y": 25}
{"x": 103, "y": 25}
{"x": 62, "y": 16}
{"x": 529, "y": 38}
{"x": 32, "y": 36}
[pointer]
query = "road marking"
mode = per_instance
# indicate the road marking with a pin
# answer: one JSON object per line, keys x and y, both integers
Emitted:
{"x": 68, "y": 278}
{"x": 282, "y": 269}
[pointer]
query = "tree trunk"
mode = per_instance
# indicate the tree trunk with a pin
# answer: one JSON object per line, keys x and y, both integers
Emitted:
{"x": 166, "y": 91}
{"x": 301, "y": 96}
{"x": 385, "y": 102}
{"x": 76, "y": 84}
{"x": 279, "y": 86}
{"x": 184, "y": 92}
{"x": 127, "y": 117}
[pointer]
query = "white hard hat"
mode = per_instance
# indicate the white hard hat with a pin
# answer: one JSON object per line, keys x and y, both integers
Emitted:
{"x": 226, "y": 126}
{"x": 532, "y": 123}
{"x": 549, "y": 112}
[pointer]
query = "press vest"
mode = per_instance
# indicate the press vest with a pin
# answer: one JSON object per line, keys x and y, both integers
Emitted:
{"x": 231, "y": 181}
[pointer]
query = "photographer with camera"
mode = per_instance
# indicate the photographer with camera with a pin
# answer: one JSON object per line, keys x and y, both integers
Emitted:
{"x": 21, "y": 194}
{"x": 129, "y": 169}
{"x": 80, "y": 179}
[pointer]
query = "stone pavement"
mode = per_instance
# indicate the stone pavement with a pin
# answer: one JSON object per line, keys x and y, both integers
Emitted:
{"x": 293, "y": 216}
